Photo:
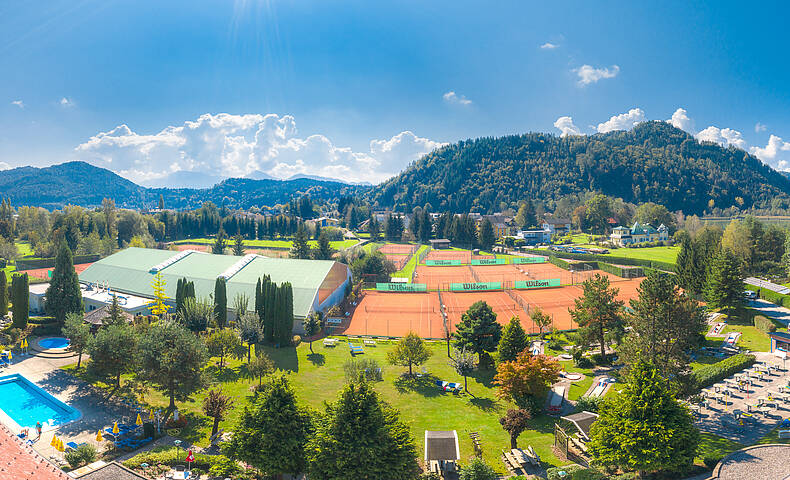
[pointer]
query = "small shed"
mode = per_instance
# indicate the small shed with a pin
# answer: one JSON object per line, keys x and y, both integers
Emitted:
{"x": 96, "y": 317}
{"x": 441, "y": 447}
{"x": 780, "y": 342}
{"x": 583, "y": 421}
{"x": 440, "y": 243}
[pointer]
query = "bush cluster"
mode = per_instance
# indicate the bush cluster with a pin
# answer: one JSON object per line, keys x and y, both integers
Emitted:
{"x": 82, "y": 455}
{"x": 172, "y": 456}
{"x": 710, "y": 374}
{"x": 367, "y": 367}
{"x": 764, "y": 324}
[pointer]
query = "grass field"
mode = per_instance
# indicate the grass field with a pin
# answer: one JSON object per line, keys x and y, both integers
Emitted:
{"x": 24, "y": 248}
{"x": 318, "y": 377}
{"x": 659, "y": 254}
{"x": 337, "y": 245}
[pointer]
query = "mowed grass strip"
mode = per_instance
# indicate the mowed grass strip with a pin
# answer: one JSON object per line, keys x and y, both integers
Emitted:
{"x": 337, "y": 245}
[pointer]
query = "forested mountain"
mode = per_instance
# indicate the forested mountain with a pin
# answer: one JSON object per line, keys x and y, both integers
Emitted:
{"x": 79, "y": 183}
{"x": 653, "y": 162}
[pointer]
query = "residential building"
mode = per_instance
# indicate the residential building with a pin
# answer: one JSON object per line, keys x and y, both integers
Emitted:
{"x": 559, "y": 226}
{"x": 638, "y": 233}
{"x": 534, "y": 237}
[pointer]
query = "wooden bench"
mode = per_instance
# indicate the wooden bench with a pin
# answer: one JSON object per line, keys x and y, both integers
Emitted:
{"x": 369, "y": 342}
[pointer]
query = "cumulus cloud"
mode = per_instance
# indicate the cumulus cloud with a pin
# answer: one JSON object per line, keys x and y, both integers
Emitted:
{"x": 66, "y": 102}
{"x": 589, "y": 74}
{"x": 772, "y": 155}
{"x": 681, "y": 120}
{"x": 236, "y": 145}
{"x": 759, "y": 127}
{"x": 4, "y": 166}
{"x": 566, "y": 126}
{"x": 725, "y": 137}
{"x": 18, "y": 103}
{"x": 549, "y": 46}
{"x": 453, "y": 98}
{"x": 624, "y": 121}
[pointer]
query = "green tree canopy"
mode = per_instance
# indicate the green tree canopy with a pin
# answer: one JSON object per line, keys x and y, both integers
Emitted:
{"x": 514, "y": 341}
{"x": 486, "y": 237}
{"x": 301, "y": 247}
{"x": 220, "y": 243}
{"x": 223, "y": 343}
{"x": 113, "y": 353}
{"x": 220, "y": 302}
{"x": 172, "y": 359}
{"x": 598, "y": 309}
{"x": 359, "y": 422}
{"x": 273, "y": 430}
{"x": 195, "y": 315}
{"x": 324, "y": 250}
{"x": 238, "y": 245}
{"x": 724, "y": 286}
{"x": 79, "y": 334}
{"x": 410, "y": 350}
{"x": 644, "y": 428}
{"x": 63, "y": 294}
{"x": 477, "y": 469}
{"x": 20, "y": 300}
{"x": 478, "y": 330}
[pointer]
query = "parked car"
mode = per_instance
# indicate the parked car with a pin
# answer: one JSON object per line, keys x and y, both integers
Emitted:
{"x": 750, "y": 295}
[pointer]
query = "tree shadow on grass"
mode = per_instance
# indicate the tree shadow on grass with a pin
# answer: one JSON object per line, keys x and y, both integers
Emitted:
{"x": 424, "y": 385}
{"x": 284, "y": 358}
{"x": 484, "y": 376}
{"x": 226, "y": 375}
{"x": 192, "y": 433}
{"x": 486, "y": 404}
{"x": 317, "y": 359}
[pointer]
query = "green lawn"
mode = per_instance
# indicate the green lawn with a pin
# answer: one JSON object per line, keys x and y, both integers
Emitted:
{"x": 24, "y": 248}
{"x": 337, "y": 245}
{"x": 408, "y": 269}
{"x": 318, "y": 377}
{"x": 659, "y": 254}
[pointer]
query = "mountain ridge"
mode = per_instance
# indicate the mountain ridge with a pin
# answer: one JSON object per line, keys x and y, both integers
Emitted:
{"x": 654, "y": 162}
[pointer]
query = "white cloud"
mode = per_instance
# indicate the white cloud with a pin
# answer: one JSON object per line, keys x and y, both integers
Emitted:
{"x": 549, "y": 46}
{"x": 759, "y": 127}
{"x": 18, "y": 103}
{"x": 236, "y": 145}
{"x": 453, "y": 98}
{"x": 566, "y": 126}
{"x": 66, "y": 102}
{"x": 725, "y": 137}
{"x": 624, "y": 121}
{"x": 4, "y": 166}
{"x": 681, "y": 120}
{"x": 589, "y": 74}
{"x": 772, "y": 152}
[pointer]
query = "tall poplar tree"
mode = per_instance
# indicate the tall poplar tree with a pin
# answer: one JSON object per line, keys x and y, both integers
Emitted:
{"x": 220, "y": 302}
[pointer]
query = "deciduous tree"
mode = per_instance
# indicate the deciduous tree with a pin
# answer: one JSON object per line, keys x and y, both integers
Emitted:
{"x": 514, "y": 423}
{"x": 526, "y": 378}
{"x": 312, "y": 325}
{"x": 410, "y": 350}
{"x": 223, "y": 343}
{"x": 216, "y": 405}
{"x": 112, "y": 353}
{"x": 79, "y": 334}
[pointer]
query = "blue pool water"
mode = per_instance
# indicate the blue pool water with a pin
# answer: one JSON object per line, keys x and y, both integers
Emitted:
{"x": 27, "y": 404}
{"x": 54, "y": 342}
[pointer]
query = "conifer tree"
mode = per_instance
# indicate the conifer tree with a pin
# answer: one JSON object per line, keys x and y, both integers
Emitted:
{"x": 301, "y": 247}
{"x": 3, "y": 295}
{"x": 63, "y": 294}
{"x": 20, "y": 300}
{"x": 514, "y": 341}
{"x": 220, "y": 302}
{"x": 724, "y": 286}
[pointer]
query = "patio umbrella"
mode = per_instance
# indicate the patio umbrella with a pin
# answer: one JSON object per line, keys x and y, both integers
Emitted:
{"x": 115, "y": 428}
{"x": 99, "y": 438}
{"x": 60, "y": 446}
{"x": 10, "y": 356}
{"x": 139, "y": 420}
{"x": 54, "y": 442}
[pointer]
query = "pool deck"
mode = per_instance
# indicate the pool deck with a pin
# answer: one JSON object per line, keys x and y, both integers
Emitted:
{"x": 97, "y": 413}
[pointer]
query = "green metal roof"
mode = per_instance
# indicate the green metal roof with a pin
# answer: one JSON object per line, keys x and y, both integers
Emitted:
{"x": 129, "y": 271}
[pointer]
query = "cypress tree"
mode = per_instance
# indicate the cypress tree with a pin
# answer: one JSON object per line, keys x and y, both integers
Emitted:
{"x": 63, "y": 295}
{"x": 189, "y": 290}
{"x": 3, "y": 295}
{"x": 220, "y": 302}
{"x": 20, "y": 289}
{"x": 286, "y": 313}
{"x": 258, "y": 299}
{"x": 724, "y": 286}
{"x": 180, "y": 294}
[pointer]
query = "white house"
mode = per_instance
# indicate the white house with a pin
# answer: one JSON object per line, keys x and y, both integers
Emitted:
{"x": 639, "y": 233}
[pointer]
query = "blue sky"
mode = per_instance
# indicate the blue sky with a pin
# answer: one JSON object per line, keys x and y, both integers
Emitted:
{"x": 359, "y": 89}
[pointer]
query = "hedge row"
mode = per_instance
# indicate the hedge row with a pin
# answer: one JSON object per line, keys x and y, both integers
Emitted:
{"x": 669, "y": 267}
{"x": 560, "y": 263}
{"x": 41, "y": 320}
{"x": 613, "y": 269}
{"x": 172, "y": 456}
{"x": 764, "y": 324}
{"x": 33, "y": 263}
{"x": 710, "y": 374}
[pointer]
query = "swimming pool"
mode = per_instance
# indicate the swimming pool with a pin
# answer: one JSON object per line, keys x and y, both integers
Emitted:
{"x": 53, "y": 342}
{"x": 26, "y": 403}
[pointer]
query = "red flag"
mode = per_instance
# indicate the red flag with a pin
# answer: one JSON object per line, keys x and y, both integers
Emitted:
{"x": 190, "y": 457}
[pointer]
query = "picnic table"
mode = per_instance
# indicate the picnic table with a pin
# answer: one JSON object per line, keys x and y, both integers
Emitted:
{"x": 449, "y": 386}
{"x": 330, "y": 342}
{"x": 369, "y": 342}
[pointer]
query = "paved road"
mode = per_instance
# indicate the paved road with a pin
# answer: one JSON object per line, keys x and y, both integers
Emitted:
{"x": 770, "y": 310}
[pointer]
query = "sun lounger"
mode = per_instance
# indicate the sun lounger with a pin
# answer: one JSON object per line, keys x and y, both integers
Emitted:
{"x": 74, "y": 445}
{"x": 330, "y": 342}
{"x": 371, "y": 343}
{"x": 355, "y": 349}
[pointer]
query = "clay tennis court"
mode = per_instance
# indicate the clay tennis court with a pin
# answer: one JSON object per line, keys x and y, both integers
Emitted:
{"x": 465, "y": 256}
{"x": 43, "y": 273}
{"x": 553, "y": 301}
{"x": 442, "y": 277}
{"x": 397, "y": 314}
{"x": 506, "y": 274}
{"x": 456, "y": 303}
{"x": 397, "y": 248}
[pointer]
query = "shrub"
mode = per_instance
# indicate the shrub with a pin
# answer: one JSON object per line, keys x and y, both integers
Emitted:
{"x": 582, "y": 362}
{"x": 764, "y": 324}
{"x": 554, "y": 472}
{"x": 366, "y": 367}
{"x": 225, "y": 468}
{"x": 180, "y": 423}
{"x": 710, "y": 374}
{"x": 296, "y": 340}
{"x": 172, "y": 456}
{"x": 82, "y": 455}
{"x": 588, "y": 474}
{"x": 627, "y": 476}
{"x": 590, "y": 404}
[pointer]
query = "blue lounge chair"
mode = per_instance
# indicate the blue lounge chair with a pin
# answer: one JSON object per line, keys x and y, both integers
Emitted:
{"x": 74, "y": 445}
{"x": 355, "y": 349}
